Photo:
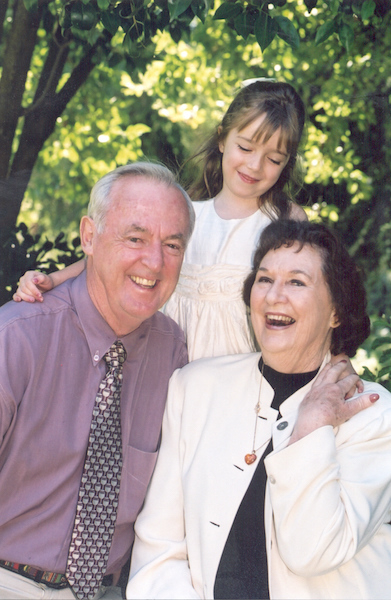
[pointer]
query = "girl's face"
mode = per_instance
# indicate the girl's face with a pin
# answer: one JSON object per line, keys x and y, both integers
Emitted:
{"x": 251, "y": 168}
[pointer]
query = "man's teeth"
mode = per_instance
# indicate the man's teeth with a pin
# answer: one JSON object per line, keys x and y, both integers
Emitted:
{"x": 144, "y": 282}
{"x": 279, "y": 320}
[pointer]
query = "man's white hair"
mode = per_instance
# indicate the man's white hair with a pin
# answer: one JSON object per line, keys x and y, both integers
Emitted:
{"x": 100, "y": 197}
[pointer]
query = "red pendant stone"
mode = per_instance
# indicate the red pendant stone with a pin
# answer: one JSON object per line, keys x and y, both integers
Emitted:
{"x": 250, "y": 458}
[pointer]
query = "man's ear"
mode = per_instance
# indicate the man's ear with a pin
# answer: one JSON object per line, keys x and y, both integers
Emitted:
{"x": 87, "y": 233}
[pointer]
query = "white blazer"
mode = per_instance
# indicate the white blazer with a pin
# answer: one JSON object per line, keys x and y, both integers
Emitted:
{"x": 327, "y": 502}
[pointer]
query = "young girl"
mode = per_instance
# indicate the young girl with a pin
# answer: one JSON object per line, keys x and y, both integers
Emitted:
{"x": 248, "y": 162}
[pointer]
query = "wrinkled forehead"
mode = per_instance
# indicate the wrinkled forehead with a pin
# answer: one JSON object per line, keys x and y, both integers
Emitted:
{"x": 149, "y": 200}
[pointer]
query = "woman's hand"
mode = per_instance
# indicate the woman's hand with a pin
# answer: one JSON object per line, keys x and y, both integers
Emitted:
{"x": 358, "y": 387}
{"x": 31, "y": 284}
{"x": 325, "y": 403}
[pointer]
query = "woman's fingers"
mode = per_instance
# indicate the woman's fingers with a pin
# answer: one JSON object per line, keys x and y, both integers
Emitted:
{"x": 325, "y": 404}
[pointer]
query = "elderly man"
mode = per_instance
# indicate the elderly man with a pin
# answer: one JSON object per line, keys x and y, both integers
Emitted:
{"x": 83, "y": 382}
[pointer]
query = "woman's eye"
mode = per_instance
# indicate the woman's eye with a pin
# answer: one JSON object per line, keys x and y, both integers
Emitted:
{"x": 264, "y": 279}
{"x": 297, "y": 282}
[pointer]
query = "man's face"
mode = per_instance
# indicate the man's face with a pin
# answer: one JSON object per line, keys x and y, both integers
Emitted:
{"x": 134, "y": 263}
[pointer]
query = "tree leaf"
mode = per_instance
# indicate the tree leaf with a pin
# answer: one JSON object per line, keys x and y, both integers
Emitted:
{"x": 265, "y": 30}
{"x": 228, "y": 10}
{"x": 346, "y": 35}
{"x": 380, "y": 341}
{"x": 367, "y": 9}
{"x": 103, "y": 4}
{"x": 310, "y": 4}
{"x": 384, "y": 371}
{"x": 111, "y": 21}
{"x": 245, "y": 23}
{"x": 83, "y": 16}
{"x": 177, "y": 7}
{"x": 368, "y": 375}
{"x": 31, "y": 5}
{"x": 325, "y": 31}
{"x": 200, "y": 9}
{"x": 385, "y": 355}
{"x": 287, "y": 32}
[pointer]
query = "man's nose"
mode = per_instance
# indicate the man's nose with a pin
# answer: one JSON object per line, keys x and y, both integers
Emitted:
{"x": 153, "y": 257}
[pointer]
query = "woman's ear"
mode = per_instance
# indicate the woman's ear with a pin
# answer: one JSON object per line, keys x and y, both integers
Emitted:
{"x": 334, "y": 321}
{"x": 87, "y": 232}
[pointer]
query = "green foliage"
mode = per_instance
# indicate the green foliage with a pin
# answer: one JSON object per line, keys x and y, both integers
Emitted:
{"x": 23, "y": 252}
{"x": 379, "y": 348}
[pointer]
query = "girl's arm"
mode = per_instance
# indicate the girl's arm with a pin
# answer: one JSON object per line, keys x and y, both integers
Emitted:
{"x": 32, "y": 283}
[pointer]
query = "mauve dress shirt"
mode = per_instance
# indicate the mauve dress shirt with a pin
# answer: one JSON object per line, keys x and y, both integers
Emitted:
{"x": 50, "y": 369}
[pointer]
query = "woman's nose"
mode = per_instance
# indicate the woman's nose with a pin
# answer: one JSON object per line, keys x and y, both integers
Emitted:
{"x": 275, "y": 293}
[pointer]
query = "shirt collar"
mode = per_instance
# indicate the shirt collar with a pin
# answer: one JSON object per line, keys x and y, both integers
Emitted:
{"x": 98, "y": 333}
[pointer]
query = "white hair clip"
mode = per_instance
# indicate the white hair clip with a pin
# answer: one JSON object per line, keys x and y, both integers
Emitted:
{"x": 247, "y": 82}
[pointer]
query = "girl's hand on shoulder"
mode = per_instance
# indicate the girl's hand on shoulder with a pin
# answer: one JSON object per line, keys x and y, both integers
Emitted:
{"x": 358, "y": 388}
{"x": 31, "y": 284}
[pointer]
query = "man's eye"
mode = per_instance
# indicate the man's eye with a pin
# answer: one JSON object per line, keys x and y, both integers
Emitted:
{"x": 174, "y": 248}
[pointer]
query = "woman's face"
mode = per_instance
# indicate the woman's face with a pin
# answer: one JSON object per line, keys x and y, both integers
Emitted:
{"x": 291, "y": 309}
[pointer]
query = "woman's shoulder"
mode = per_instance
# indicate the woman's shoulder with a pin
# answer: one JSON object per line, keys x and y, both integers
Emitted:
{"x": 218, "y": 366}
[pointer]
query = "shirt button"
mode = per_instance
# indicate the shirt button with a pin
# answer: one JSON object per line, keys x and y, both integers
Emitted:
{"x": 96, "y": 357}
{"x": 282, "y": 425}
{"x": 271, "y": 479}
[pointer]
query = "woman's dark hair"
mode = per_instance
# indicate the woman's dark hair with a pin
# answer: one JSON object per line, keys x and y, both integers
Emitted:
{"x": 284, "y": 110}
{"x": 340, "y": 272}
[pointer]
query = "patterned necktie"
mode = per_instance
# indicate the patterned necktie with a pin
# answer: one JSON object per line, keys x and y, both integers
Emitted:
{"x": 97, "y": 504}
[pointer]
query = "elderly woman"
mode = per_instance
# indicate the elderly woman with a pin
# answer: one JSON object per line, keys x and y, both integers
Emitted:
{"x": 269, "y": 483}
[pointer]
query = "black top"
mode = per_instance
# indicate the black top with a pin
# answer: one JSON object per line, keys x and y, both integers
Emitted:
{"x": 242, "y": 571}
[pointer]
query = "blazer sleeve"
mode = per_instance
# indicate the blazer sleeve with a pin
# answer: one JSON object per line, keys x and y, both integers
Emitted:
{"x": 331, "y": 490}
{"x": 159, "y": 566}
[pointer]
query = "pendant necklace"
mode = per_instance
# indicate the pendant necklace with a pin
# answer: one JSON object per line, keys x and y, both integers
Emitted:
{"x": 252, "y": 457}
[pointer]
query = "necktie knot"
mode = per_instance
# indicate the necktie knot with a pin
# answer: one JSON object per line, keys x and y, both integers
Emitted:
{"x": 116, "y": 355}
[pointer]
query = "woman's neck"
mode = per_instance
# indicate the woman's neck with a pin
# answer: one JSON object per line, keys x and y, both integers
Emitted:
{"x": 292, "y": 365}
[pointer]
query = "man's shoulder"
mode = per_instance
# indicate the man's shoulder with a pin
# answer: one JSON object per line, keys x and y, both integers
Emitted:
{"x": 161, "y": 324}
{"x": 55, "y": 302}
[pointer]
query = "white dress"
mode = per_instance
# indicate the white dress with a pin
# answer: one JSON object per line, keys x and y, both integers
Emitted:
{"x": 207, "y": 302}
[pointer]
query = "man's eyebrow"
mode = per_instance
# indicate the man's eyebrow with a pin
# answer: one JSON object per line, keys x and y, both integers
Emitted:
{"x": 135, "y": 227}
